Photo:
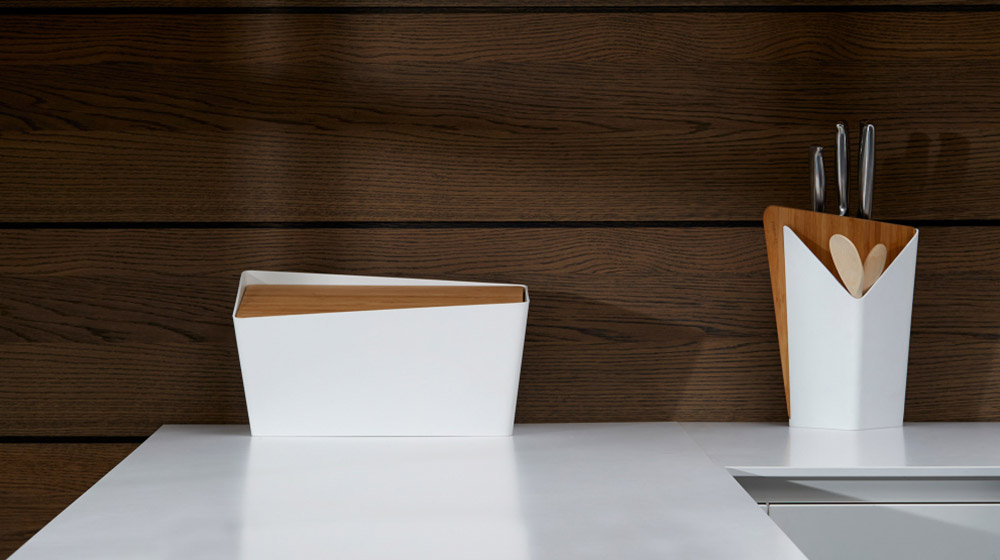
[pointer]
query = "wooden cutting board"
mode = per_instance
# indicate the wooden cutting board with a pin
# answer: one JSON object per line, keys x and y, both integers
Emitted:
{"x": 815, "y": 229}
{"x": 267, "y": 300}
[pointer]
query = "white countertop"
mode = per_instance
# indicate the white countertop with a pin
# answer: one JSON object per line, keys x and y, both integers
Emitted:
{"x": 551, "y": 491}
{"x": 925, "y": 449}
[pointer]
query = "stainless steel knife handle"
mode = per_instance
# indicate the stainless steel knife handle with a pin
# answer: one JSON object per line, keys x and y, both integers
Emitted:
{"x": 817, "y": 178}
{"x": 843, "y": 169}
{"x": 866, "y": 170}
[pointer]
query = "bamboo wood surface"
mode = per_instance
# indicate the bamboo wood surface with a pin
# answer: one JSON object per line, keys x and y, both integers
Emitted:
{"x": 269, "y": 300}
{"x": 874, "y": 266}
{"x": 815, "y": 230}
{"x": 850, "y": 268}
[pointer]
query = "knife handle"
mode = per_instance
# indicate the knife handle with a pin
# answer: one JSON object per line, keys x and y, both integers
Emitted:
{"x": 866, "y": 170}
{"x": 843, "y": 168}
{"x": 817, "y": 178}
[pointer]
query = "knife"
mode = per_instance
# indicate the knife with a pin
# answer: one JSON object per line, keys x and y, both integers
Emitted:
{"x": 842, "y": 168}
{"x": 817, "y": 178}
{"x": 866, "y": 170}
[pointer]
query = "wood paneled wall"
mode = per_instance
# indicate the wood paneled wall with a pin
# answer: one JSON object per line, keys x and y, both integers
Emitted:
{"x": 614, "y": 156}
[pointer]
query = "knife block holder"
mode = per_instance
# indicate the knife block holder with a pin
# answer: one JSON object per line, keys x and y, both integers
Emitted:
{"x": 338, "y": 355}
{"x": 843, "y": 359}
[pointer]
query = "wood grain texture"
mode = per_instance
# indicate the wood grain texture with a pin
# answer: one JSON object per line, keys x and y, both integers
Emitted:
{"x": 625, "y": 324}
{"x": 38, "y": 480}
{"x": 511, "y": 5}
{"x": 586, "y": 38}
{"x": 479, "y": 117}
{"x": 270, "y": 300}
{"x": 487, "y": 117}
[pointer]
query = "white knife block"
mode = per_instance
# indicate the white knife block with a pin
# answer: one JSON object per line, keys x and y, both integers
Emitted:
{"x": 847, "y": 357}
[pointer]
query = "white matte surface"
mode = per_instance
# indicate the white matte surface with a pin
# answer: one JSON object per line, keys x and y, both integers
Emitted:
{"x": 552, "y": 491}
{"x": 890, "y": 531}
{"x": 435, "y": 371}
{"x": 923, "y": 449}
{"x": 847, "y": 357}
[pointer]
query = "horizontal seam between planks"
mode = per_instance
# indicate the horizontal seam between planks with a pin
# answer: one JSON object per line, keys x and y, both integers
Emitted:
{"x": 727, "y": 8}
{"x": 518, "y": 224}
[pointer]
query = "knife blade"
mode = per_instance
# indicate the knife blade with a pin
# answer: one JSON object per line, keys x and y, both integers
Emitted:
{"x": 817, "y": 178}
{"x": 842, "y": 168}
{"x": 866, "y": 170}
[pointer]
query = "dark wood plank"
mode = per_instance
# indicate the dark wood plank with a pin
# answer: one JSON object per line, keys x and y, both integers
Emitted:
{"x": 37, "y": 481}
{"x": 188, "y": 278}
{"x": 584, "y": 38}
{"x": 487, "y": 116}
{"x": 838, "y": 5}
{"x": 506, "y": 101}
{"x": 127, "y": 389}
{"x": 119, "y": 331}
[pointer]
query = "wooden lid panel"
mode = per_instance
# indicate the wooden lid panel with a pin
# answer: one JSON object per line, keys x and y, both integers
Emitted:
{"x": 270, "y": 300}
